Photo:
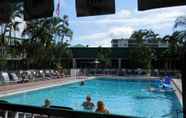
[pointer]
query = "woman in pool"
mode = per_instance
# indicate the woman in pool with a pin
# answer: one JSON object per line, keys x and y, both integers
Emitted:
{"x": 47, "y": 104}
{"x": 101, "y": 108}
{"x": 88, "y": 104}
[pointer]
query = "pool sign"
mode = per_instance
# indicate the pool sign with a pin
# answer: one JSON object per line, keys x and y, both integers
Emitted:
{"x": 5, "y": 10}
{"x": 152, "y": 4}
{"x": 94, "y": 7}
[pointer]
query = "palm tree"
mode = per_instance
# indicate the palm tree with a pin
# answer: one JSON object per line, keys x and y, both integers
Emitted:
{"x": 180, "y": 25}
{"x": 42, "y": 35}
{"x": 12, "y": 26}
{"x": 52, "y": 26}
{"x": 62, "y": 28}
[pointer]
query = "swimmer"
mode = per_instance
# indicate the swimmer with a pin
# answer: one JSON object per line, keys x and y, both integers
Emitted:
{"x": 88, "y": 104}
{"x": 47, "y": 104}
{"x": 101, "y": 108}
{"x": 82, "y": 83}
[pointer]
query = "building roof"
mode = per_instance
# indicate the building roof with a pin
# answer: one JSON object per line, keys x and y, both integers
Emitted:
{"x": 91, "y": 53}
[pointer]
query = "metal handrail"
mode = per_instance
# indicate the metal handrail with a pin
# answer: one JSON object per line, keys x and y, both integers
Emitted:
{"x": 50, "y": 112}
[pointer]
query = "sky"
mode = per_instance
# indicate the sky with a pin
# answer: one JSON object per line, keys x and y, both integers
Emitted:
{"x": 100, "y": 30}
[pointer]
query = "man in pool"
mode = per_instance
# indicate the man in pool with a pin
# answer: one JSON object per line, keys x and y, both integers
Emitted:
{"x": 101, "y": 108}
{"x": 82, "y": 83}
{"x": 47, "y": 104}
{"x": 88, "y": 104}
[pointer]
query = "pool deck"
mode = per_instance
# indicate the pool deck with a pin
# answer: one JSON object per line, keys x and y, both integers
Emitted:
{"x": 177, "y": 84}
{"x": 11, "y": 89}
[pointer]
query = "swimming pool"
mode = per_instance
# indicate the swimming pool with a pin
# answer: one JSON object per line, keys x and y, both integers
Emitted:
{"x": 123, "y": 97}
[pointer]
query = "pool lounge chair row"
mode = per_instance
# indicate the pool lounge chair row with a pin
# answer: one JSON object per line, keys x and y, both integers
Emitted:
{"x": 29, "y": 75}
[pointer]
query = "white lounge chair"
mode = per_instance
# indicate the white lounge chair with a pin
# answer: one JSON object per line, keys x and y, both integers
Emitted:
{"x": 5, "y": 78}
{"x": 15, "y": 78}
{"x": 24, "y": 76}
{"x": 47, "y": 75}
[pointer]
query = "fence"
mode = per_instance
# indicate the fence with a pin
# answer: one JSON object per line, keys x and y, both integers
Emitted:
{"x": 125, "y": 72}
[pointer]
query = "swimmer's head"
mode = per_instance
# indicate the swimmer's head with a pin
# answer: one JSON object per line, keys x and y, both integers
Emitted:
{"x": 88, "y": 98}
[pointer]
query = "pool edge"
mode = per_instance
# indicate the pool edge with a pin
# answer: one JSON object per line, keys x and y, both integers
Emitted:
{"x": 43, "y": 87}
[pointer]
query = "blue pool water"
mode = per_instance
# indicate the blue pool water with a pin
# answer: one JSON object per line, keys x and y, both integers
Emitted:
{"x": 123, "y": 97}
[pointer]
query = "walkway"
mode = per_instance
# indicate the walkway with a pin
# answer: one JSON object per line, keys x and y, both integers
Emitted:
{"x": 35, "y": 85}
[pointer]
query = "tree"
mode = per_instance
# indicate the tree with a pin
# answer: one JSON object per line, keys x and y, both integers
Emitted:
{"x": 104, "y": 56}
{"x": 16, "y": 15}
{"x": 41, "y": 43}
{"x": 3, "y": 62}
{"x": 171, "y": 53}
{"x": 63, "y": 29}
{"x": 7, "y": 28}
{"x": 144, "y": 35}
{"x": 180, "y": 22}
{"x": 62, "y": 52}
{"x": 141, "y": 56}
{"x": 180, "y": 27}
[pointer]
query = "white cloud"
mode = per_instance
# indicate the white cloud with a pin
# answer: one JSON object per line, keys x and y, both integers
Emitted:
{"x": 127, "y": 16}
{"x": 123, "y": 23}
{"x": 120, "y": 15}
{"x": 104, "y": 38}
{"x": 121, "y": 32}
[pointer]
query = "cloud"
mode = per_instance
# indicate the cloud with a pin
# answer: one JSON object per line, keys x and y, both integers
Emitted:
{"x": 146, "y": 17}
{"x": 104, "y": 38}
{"x": 121, "y": 32}
{"x": 124, "y": 22}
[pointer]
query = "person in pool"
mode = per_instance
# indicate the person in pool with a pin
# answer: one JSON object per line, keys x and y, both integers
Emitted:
{"x": 166, "y": 82}
{"x": 88, "y": 104}
{"x": 82, "y": 83}
{"x": 47, "y": 103}
{"x": 101, "y": 108}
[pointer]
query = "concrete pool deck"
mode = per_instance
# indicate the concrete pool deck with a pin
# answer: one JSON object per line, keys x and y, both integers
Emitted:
{"x": 12, "y": 89}
{"x": 177, "y": 84}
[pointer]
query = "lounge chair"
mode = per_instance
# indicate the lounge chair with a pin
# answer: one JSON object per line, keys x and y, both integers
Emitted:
{"x": 40, "y": 75}
{"x": 6, "y": 79}
{"x": 15, "y": 78}
{"x": 31, "y": 75}
{"x": 54, "y": 74}
{"x": 24, "y": 76}
{"x": 59, "y": 75}
{"x": 48, "y": 75}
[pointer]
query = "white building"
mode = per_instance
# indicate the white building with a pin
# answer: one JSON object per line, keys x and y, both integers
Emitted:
{"x": 125, "y": 43}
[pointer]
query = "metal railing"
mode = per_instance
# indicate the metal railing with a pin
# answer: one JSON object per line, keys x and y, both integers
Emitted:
{"x": 22, "y": 111}
{"x": 128, "y": 72}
